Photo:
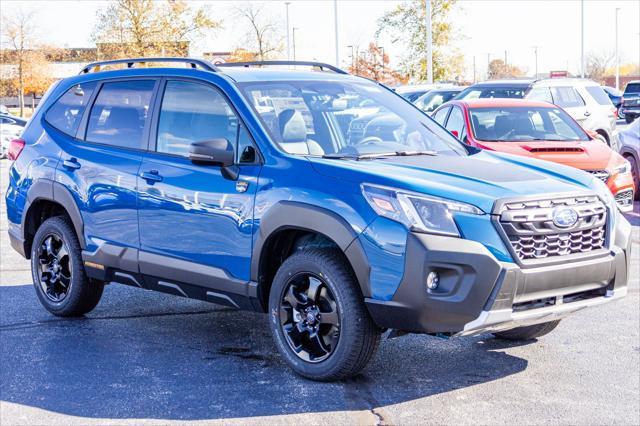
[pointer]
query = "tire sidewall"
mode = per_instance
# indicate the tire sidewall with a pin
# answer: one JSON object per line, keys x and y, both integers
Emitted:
{"x": 51, "y": 226}
{"x": 292, "y": 266}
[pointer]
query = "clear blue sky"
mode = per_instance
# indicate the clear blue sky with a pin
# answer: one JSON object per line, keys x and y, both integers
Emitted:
{"x": 482, "y": 27}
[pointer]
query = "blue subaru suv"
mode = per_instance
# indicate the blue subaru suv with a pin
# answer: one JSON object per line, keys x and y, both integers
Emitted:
{"x": 323, "y": 199}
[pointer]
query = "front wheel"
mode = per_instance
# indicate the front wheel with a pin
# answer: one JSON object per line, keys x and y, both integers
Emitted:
{"x": 635, "y": 173}
{"x": 318, "y": 318}
{"x": 528, "y": 332}
{"x": 629, "y": 118}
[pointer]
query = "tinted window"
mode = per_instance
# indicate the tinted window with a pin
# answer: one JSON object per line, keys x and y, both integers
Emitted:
{"x": 456, "y": 121}
{"x": 193, "y": 112}
{"x": 441, "y": 115}
{"x": 632, "y": 88}
{"x": 246, "y": 151}
{"x": 119, "y": 113}
{"x": 566, "y": 97}
{"x": 65, "y": 113}
{"x": 540, "y": 94}
{"x": 599, "y": 95}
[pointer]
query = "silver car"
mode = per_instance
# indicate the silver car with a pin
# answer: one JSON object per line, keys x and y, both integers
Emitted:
{"x": 630, "y": 150}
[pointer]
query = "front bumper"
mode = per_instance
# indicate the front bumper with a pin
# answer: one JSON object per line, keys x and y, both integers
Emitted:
{"x": 478, "y": 293}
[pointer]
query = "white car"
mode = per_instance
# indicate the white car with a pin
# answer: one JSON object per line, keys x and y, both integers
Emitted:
{"x": 10, "y": 128}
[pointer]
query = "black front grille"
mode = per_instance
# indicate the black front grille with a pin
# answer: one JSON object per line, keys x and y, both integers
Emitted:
{"x": 533, "y": 235}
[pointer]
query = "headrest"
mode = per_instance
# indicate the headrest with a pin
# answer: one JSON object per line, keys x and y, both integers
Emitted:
{"x": 502, "y": 125}
{"x": 292, "y": 126}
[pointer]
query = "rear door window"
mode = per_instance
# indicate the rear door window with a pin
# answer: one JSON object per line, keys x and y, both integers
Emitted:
{"x": 120, "y": 113}
{"x": 441, "y": 115}
{"x": 455, "y": 123}
{"x": 566, "y": 97}
{"x": 66, "y": 113}
{"x": 599, "y": 95}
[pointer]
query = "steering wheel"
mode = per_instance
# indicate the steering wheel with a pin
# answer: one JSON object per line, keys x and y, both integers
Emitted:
{"x": 369, "y": 140}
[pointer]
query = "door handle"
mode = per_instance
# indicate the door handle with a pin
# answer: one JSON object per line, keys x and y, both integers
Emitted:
{"x": 151, "y": 176}
{"x": 71, "y": 164}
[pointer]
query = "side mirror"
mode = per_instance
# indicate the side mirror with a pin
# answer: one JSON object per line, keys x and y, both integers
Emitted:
{"x": 455, "y": 133}
{"x": 218, "y": 152}
{"x": 215, "y": 152}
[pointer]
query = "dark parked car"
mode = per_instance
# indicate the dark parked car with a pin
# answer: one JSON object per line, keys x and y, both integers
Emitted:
{"x": 616, "y": 98}
{"x": 631, "y": 101}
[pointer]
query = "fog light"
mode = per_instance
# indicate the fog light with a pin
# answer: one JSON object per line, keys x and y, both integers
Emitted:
{"x": 433, "y": 279}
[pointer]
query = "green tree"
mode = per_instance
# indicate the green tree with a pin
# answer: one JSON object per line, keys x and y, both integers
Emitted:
{"x": 127, "y": 28}
{"x": 406, "y": 23}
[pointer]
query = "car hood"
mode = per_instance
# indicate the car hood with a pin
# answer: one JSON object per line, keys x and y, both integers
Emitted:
{"x": 479, "y": 179}
{"x": 591, "y": 155}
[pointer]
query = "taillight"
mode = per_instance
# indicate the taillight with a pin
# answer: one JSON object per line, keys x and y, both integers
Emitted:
{"x": 15, "y": 148}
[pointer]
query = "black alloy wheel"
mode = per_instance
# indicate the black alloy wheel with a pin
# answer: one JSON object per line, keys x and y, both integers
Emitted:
{"x": 54, "y": 268}
{"x": 309, "y": 317}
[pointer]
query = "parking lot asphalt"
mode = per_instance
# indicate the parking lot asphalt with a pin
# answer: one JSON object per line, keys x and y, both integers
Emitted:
{"x": 147, "y": 358}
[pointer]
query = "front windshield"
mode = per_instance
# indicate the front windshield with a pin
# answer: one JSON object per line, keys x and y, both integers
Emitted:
{"x": 345, "y": 119}
{"x": 517, "y": 124}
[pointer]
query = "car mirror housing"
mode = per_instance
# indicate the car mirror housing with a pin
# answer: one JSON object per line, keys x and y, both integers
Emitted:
{"x": 218, "y": 152}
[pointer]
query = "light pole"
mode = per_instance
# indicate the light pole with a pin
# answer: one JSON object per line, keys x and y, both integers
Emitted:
{"x": 474, "y": 69}
{"x": 488, "y": 65}
{"x": 353, "y": 59}
{"x": 293, "y": 36}
{"x": 427, "y": 16}
{"x": 617, "y": 55}
{"x": 535, "y": 53}
{"x": 381, "y": 48}
{"x": 335, "y": 18}
{"x": 286, "y": 4}
{"x": 582, "y": 38}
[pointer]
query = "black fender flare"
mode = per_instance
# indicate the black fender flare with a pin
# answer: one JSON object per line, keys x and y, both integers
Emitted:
{"x": 45, "y": 189}
{"x": 302, "y": 216}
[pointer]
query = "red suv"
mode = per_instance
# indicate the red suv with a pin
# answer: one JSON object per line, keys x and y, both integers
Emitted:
{"x": 541, "y": 130}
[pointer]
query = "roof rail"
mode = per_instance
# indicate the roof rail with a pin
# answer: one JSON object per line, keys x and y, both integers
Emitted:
{"x": 320, "y": 65}
{"x": 195, "y": 63}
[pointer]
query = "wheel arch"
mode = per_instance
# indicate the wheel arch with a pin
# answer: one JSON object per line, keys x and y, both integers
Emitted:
{"x": 45, "y": 199}
{"x": 290, "y": 225}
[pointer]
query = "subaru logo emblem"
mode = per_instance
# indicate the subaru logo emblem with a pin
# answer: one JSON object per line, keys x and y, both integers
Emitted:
{"x": 565, "y": 217}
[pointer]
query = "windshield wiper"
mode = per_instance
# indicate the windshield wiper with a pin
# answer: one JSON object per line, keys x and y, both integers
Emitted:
{"x": 373, "y": 156}
{"x": 409, "y": 153}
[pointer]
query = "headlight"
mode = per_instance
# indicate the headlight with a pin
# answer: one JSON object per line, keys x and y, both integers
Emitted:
{"x": 623, "y": 168}
{"x": 418, "y": 212}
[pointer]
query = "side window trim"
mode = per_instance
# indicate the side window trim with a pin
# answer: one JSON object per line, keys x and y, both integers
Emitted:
{"x": 81, "y": 134}
{"x": 155, "y": 118}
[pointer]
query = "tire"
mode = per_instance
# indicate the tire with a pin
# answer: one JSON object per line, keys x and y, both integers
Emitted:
{"x": 529, "y": 332}
{"x": 629, "y": 118}
{"x": 635, "y": 171}
{"x": 72, "y": 293}
{"x": 602, "y": 139}
{"x": 357, "y": 337}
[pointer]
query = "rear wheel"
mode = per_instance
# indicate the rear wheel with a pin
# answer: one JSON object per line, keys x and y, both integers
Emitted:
{"x": 58, "y": 273}
{"x": 629, "y": 118}
{"x": 529, "y": 332}
{"x": 318, "y": 318}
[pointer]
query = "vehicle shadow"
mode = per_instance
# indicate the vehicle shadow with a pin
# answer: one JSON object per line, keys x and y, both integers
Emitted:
{"x": 144, "y": 355}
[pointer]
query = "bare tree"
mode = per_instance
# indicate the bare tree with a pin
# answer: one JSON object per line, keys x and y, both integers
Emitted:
{"x": 597, "y": 64}
{"x": 19, "y": 30}
{"x": 262, "y": 35}
{"x": 146, "y": 27}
